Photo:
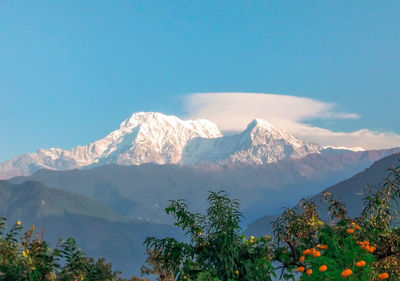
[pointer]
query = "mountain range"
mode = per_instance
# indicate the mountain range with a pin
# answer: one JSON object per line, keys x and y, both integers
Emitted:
{"x": 141, "y": 192}
{"x": 151, "y": 137}
{"x": 349, "y": 191}
{"x": 111, "y": 194}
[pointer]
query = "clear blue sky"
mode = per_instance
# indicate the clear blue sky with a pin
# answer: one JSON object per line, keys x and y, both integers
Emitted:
{"x": 71, "y": 71}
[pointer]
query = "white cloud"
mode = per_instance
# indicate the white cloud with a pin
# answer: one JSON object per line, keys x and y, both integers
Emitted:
{"x": 233, "y": 111}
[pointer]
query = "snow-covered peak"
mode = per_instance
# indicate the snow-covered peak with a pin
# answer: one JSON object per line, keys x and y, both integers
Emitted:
{"x": 260, "y": 143}
{"x": 140, "y": 118}
{"x": 260, "y": 123}
{"x": 144, "y": 137}
{"x": 158, "y": 138}
{"x": 155, "y": 119}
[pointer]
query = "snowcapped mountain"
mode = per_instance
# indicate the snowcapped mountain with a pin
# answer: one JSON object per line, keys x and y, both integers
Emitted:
{"x": 150, "y": 137}
{"x": 142, "y": 138}
{"x": 259, "y": 143}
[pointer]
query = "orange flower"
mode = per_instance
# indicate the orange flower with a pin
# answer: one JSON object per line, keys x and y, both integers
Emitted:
{"x": 350, "y": 231}
{"x": 237, "y": 272}
{"x": 322, "y": 268}
{"x": 383, "y": 276}
{"x": 307, "y": 252}
{"x": 300, "y": 269}
{"x": 316, "y": 254}
{"x": 361, "y": 263}
{"x": 302, "y": 258}
{"x": 357, "y": 227}
{"x": 324, "y": 247}
{"x": 371, "y": 249}
{"x": 309, "y": 271}
{"x": 346, "y": 272}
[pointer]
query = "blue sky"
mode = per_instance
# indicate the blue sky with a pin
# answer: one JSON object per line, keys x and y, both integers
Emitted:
{"x": 71, "y": 71}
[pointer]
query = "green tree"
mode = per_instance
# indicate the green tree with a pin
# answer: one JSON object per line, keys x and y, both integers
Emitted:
{"x": 216, "y": 249}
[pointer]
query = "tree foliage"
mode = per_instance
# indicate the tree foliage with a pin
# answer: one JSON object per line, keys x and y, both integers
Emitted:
{"x": 24, "y": 256}
{"x": 216, "y": 250}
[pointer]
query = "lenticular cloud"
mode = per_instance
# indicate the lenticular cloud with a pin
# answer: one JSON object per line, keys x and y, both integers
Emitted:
{"x": 233, "y": 111}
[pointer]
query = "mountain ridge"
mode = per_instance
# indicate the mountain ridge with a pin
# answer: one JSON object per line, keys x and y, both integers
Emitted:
{"x": 97, "y": 230}
{"x": 152, "y": 137}
{"x": 130, "y": 190}
{"x": 348, "y": 190}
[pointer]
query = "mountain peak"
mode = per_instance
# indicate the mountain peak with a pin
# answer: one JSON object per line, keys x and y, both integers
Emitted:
{"x": 139, "y": 118}
{"x": 260, "y": 123}
{"x": 145, "y": 137}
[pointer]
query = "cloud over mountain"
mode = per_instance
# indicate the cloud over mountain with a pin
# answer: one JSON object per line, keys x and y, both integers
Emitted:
{"x": 233, "y": 111}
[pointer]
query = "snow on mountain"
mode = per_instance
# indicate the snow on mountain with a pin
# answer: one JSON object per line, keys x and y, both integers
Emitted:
{"x": 260, "y": 143}
{"x": 354, "y": 149}
{"x": 142, "y": 138}
{"x": 150, "y": 137}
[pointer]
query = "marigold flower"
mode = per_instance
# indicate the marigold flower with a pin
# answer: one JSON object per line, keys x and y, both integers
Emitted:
{"x": 350, "y": 231}
{"x": 383, "y": 276}
{"x": 346, "y": 272}
{"x": 371, "y": 249}
{"x": 357, "y": 227}
{"x": 316, "y": 254}
{"x": 322, "y": 247}
{"x": 302, "y": 258}
{"x": 309, "y": 271}
{"x": 322, "y": 268}
{"x": 300, "y": 269}
{"x": 361, "y": 263}
{"x": 363, "y": 244}
{"x": 307, "y": 252}
{"x": 237, "y": 272}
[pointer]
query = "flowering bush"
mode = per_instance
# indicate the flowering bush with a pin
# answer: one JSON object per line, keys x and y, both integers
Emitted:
{"x": 363, "y": 248}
